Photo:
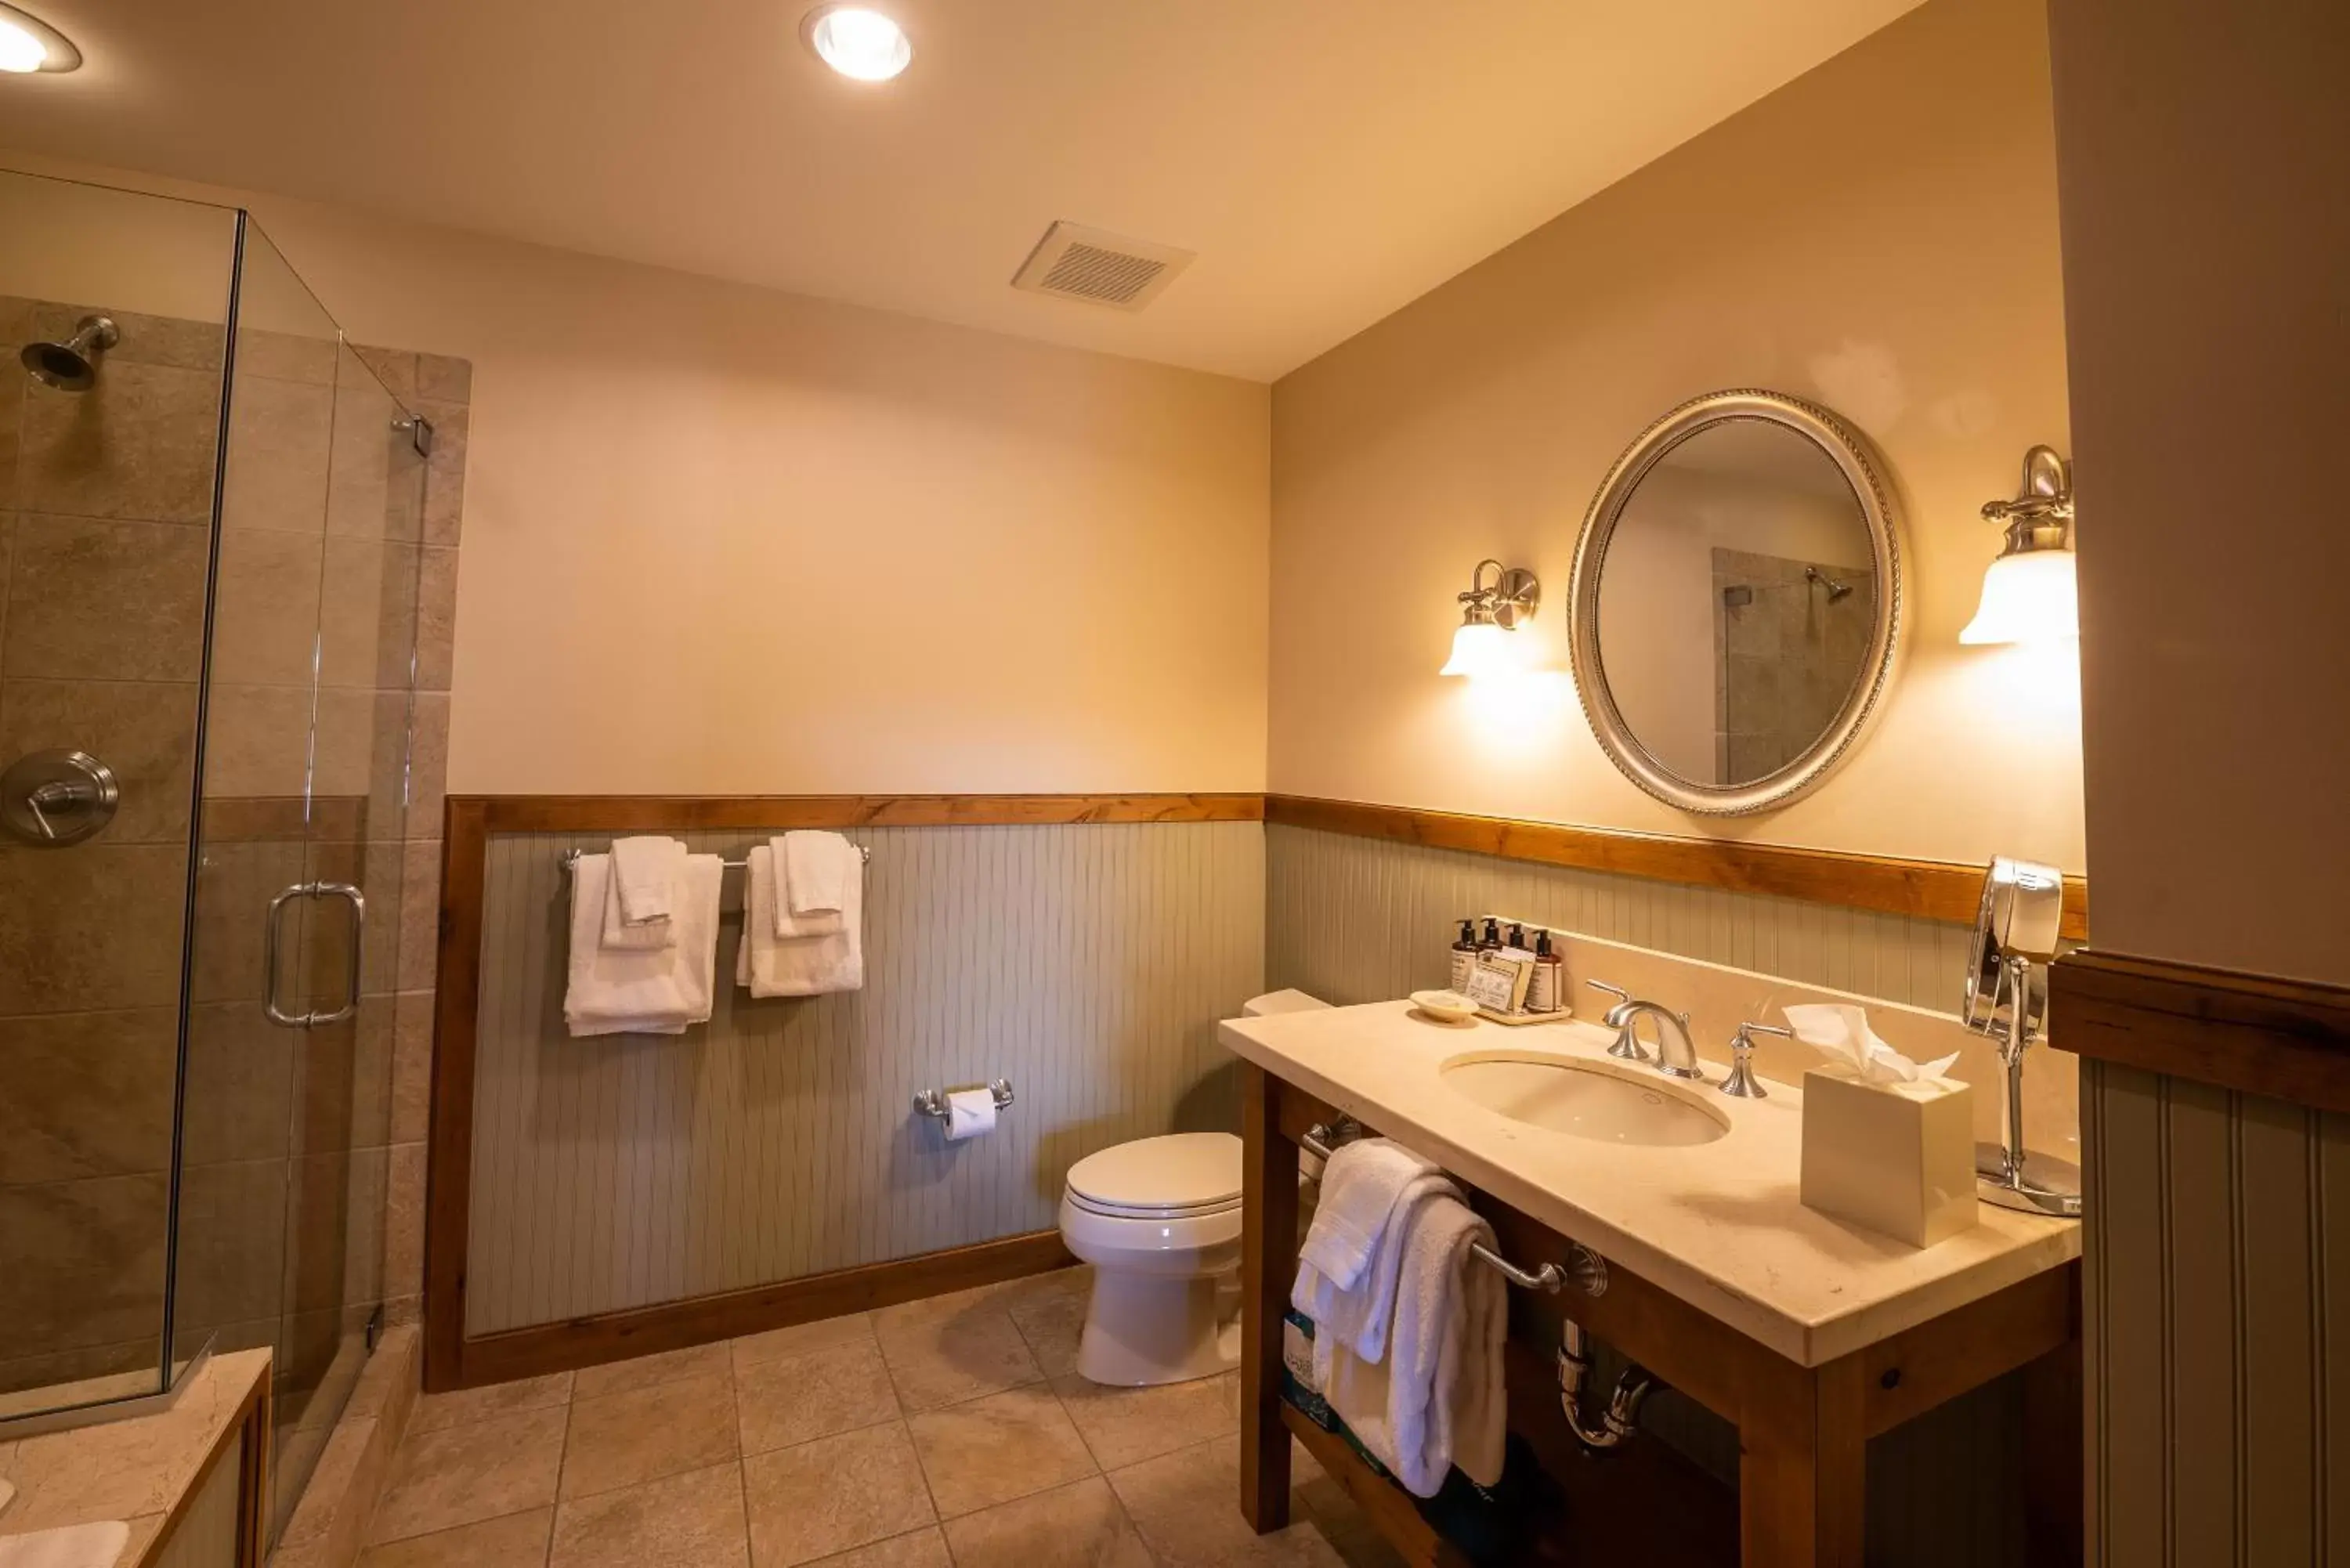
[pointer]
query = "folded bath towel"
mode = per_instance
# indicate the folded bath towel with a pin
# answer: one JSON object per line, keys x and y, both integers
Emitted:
{"x": 1438, "y": 1400}
{"x": 1358, "y": 1321}
{"x": 658, "y": 990}
{"x": 1360, "y": 1186}
{"x": 817, "y": 870}
{"x": 644, "y": 877}
{"x": 796, "y": 966}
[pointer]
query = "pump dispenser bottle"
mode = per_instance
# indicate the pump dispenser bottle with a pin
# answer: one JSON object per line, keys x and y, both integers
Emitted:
{"x": 1464, "y": 955}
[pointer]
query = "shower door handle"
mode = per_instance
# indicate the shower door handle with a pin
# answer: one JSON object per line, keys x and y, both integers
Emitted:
{"x": 272, "y": 949}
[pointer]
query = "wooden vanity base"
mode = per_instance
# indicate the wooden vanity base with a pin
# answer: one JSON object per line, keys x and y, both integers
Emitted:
{"x": 1802, "y": 1431}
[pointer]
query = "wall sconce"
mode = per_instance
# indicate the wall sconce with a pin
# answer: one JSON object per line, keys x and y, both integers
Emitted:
{"x": 2029, "y": 593}
{"x": 1489, "y": 610}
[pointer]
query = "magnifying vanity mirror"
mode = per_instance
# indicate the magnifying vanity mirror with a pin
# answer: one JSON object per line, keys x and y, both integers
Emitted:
{"x": 1737, "y": 602}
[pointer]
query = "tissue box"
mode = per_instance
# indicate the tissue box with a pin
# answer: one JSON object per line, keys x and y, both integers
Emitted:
{"x": 1897, "y": 1157}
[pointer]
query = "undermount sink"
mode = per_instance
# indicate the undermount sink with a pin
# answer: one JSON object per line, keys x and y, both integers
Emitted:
{"x": 1584, "y": 1098}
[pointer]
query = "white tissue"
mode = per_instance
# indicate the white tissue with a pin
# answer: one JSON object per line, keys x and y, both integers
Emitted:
{"x": 1843, "y": 1032}
{"x": 970, "y": 1112}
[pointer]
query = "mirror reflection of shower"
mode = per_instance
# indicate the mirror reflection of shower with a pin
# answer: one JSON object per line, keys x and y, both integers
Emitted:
{"x": 1836, "y": 586}
{"x": 72, "y": 366}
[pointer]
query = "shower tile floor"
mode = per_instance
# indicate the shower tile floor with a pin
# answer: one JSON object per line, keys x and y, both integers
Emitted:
{"x": 947, "y": 1431}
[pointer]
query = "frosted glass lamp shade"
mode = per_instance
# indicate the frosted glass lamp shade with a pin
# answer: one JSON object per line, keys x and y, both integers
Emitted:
{"x": 2026, "y": 597}
{"x": 1478, "y": 648}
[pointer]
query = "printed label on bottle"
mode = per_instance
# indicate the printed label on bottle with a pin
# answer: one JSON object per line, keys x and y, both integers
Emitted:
{"x": 1542, "y": 991}
{"x": 1462, "y": 963}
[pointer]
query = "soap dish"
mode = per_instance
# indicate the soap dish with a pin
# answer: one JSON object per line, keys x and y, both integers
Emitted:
{"x": 1445, "y": 1006}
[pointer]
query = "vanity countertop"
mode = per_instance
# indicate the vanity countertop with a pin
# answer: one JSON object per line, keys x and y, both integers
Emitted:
{"x": 136, "y": 1469}
{"x": 1718, "y": 1225}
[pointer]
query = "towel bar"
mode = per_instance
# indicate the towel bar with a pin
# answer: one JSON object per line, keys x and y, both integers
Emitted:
{"x": 933, "y": 1101}
{"x": 571, "y": 859}
{"x": 1585, "y": 1268}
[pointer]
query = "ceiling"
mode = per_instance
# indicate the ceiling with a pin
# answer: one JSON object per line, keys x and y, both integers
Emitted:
{"x": 1328, "y": 161}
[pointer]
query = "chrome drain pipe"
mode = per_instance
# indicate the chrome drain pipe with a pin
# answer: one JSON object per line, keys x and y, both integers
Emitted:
{"x": 1623, "y": 1414}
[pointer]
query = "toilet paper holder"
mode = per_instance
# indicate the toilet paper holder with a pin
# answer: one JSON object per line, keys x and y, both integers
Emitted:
{"x": 933, "y": 1101}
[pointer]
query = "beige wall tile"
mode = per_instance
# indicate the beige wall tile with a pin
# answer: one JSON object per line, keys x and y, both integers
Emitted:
{"x": 86, "y": 1094}
{"x": 141, "y": 444}
{"x": 515, "y": 1541}
{"x": 285, "y": 355}
{"x": 621, "y": 1439}
{"x": 266, "y": 620}
{"x": 97, "y": 599}
{"x": 438, "y": 1412}
{"x": 464, "y": 1474}
{"x": 240, "y": 1084}
{"x": 427, "y": 771}
{"x": 411, "y": 1066}
{"x": 342, "y": 1085}
{"x": 100, "y": 1281}
{"x": 814, "y": 1394}
{"x": 95, "y": 928}
{"x": 439, "y": 378}
{"x": 394, "y": 368}
{"x": 436, "y": 617}
{"x": 234, "y": 883}
{"x": 690, "y": 1520}
{"x": 232, "y": 1243}
{"x": 403, "y": 1221}
{"x": 334, "y": 1230}
{"x": 369, "y": 622}
{"x": 257, "y": 741}
{"x": 279, "y": 435}
{"x": 420, "y": 914}
{"x": 1079, "y": 1525}
{"x": 990, "y": 1450}
{"x": 833, "y": 1494}
{"x": 444, "y": 475}
{"x": 143, "y": 731}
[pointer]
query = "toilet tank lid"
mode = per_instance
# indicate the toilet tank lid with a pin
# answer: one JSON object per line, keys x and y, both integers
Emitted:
{"x": 1180, "y": 1170}
{"x": 1281, "y": 1002}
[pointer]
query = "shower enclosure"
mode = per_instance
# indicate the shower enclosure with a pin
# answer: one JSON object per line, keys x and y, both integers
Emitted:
{"x": 210, "y": 517}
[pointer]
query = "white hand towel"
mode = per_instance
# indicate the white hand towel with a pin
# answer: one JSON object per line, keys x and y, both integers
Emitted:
{"x": 817, "y": 870}
{"x": 644, "y": 874}
{"x": 618, "y": 934}
{"x": 1438, "y": 1399}
{"x": 796, "y": 966}
{"x": 1358, "y": 1320}
{"x": 645, "y": 991}
{"x": 1360, "y": 1186}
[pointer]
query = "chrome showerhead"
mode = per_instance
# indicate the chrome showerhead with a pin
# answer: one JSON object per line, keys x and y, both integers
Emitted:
{"x": 72, "y": 366}
{"x": 1836, "y": 589}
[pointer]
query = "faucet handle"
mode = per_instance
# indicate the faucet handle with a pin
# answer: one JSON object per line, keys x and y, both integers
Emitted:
{"x": 1742, "y": 1084}
{"x": 1618, "y": 991}
{"x": 1626, "y": 1047}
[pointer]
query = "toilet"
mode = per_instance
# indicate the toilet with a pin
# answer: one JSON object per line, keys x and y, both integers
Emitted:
{"x": 1160, "y": 1221}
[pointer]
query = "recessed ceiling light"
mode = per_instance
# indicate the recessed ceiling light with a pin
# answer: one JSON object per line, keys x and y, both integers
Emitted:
{"x": 27, "y": 44}
{"x": 860, "y": 44}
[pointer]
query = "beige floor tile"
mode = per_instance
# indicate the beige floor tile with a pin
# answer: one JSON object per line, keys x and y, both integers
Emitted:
{"x": 1187, "y": 1506}
{"x": 1050, "y": 1312}
{"x": 1127, "y": 1426}
{"x": 922, "y": 1549}
{"x": 800, "y": 1338}
{"x": 644, "y": 1371}
{"x": 435, "y": 1412}
{"x": 514, "y": 1540}
{"x": 471, "y": 1472}
{"x": 620, "y": 1440}
{"x": 990, "y": 1450}
{"x": 799, "y": 1398}
{"x": 956, "y": 1352}
{"x": 1076, "y": 1526}
{"x": 690, "y": 1521}
{"x": 822, "y": 1498}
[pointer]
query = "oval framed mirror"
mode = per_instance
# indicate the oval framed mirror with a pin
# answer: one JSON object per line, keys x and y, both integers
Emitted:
{"x": 1735, "y": 612}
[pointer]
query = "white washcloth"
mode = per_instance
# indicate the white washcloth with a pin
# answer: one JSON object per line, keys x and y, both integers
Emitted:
{"x": 796, "y": 966}
{"x": 1438, "y": 1399}
{"x": 644, "y": 991}
{"x": 1358, "y": 1320}
{"x": 644, "y": 877}
{"x": 817, "y": 869}
{"x": 622, "y": 934}
{"x": 1360, "y": 1186}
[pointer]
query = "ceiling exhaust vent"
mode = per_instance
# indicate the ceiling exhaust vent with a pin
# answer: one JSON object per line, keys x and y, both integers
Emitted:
{"x": 1073, "y": 262}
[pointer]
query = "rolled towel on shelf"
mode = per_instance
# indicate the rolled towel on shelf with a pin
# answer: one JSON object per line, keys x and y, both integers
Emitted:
{"x": 817, "y": 869}
{"x": 773, "y": 965}
{"x": 655, "y": 991}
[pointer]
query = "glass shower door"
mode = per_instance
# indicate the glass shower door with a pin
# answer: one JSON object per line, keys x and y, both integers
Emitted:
{"x": 288, "y": 1086}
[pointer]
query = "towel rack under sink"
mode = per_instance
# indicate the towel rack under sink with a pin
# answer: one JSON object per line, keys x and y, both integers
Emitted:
{"x": 1585, "y": 1268}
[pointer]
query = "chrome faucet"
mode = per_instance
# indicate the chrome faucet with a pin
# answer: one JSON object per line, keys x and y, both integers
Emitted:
{"x": 1676, "y": 1052}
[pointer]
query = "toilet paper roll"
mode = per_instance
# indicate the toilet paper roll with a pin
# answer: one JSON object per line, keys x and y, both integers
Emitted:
{"x": 970, "y": 1112}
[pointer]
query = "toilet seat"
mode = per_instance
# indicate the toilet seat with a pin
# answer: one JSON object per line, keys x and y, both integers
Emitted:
{"x": 1181, "y": 1175}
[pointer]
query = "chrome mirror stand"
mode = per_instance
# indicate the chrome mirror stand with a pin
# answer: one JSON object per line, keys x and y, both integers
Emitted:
{"x": 2008, "y": 1173}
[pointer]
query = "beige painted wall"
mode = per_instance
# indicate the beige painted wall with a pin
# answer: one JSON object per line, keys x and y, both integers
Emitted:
{"x": 1879, "y": 235}
{"x": 2206, "y": 157}
{"x": 721, "y": 539}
